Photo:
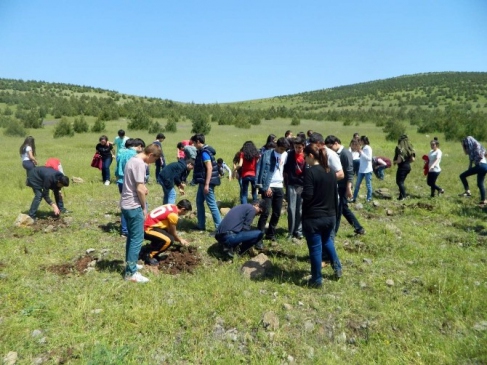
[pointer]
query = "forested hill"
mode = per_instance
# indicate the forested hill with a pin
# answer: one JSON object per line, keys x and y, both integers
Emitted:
{"x": 451, "y": 102}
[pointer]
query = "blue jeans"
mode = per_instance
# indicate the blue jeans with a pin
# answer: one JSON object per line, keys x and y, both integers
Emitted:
{"x": 246, "y": 238}
{"x": 319, "y": 237}
{"x": 368, "y": 183}
{"x": 294, "y": 209}
{"x": 28, "y": 165}
{"x": 379, "y": 172}
{"x": 169, "y": 195}
{"x": 105, "y": 169}
{"x": 480, "y": 170}
{"x": 244, "y": 189}
{"x": 211, "y": 202}
{"x": 135, "y": 237}
{"x": 123, "y": 222}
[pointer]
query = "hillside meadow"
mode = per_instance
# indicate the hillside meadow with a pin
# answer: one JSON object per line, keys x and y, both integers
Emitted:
{"x": 432, "y": 253}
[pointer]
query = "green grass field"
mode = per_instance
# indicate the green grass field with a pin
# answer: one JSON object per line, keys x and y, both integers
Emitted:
{"x": 434, "y": 250}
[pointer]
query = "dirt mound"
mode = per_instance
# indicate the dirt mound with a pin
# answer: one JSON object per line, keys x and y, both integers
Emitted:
{"x": 179, "y": 259}
{"x": 80, "y": 266}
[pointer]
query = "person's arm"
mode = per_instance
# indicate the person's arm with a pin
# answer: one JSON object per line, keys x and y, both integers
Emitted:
{"x": 141, "y": 194}
{"x": 308, "y": 188}
{"x": 229, "y": 171}
{"x": 209, "y": 170}
{"x": 32, "y": 157}
{"x": 172, "y": 230}
{"x": 366, "y": 153}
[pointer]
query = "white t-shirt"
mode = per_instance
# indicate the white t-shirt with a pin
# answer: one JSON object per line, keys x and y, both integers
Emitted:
{"x": 366, "y": 160}
{"x": 333, "y": 160}
{"x": 278, "y": 178}
{"x": 25, "y": 155}
{"x": 355, "y": 154}
{"x": 433, "y": 156}
{"x": 133, "y": 174}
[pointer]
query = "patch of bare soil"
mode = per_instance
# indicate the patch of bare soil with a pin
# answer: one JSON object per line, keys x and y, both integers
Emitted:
{"x": 49, "y": 224}
{"x": 179, "y": 259}
{"x": 80, "y": 266}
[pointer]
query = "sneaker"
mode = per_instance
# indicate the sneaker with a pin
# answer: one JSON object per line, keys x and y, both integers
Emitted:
{"x": 229, "y": 252}
{"x": 139, "y": 267}
{"x": 65, "y": 211}
{"x": 465, "y": 194}
{"x": 107, "y": 182}
{"x": 359, "y": 231}
{"x": 314, "y": 284}
{"x": 299, "y": 236}
{"x": 137, "y": 278}
{"x": 338, "y": 274}
{"x": 259, "y": 246}
{"x": 442, "y": 191}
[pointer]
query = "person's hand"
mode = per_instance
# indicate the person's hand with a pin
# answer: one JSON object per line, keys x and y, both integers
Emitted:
{"x": 206, "y": 190}
{"x": 349, "y": 193}
{"x": 56, "y": 209}
{"x": 184, "y": 242}
{"x": 181, "y": 191}
{"x": 268, "y": 193}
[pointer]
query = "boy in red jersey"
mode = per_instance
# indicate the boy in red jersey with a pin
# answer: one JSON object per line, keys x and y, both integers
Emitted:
{"x": 160, "y": 229}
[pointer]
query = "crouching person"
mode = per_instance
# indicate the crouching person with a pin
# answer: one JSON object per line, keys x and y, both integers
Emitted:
{"x": 160, "y": 229}
{"x": 235, "y": 228}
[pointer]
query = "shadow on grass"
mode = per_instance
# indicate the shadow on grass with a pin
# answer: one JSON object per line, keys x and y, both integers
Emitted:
{"x": 110, "y": 227}
{"x": 110, "y": 265}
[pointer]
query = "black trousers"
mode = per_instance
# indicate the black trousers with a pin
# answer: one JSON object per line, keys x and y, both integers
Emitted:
{"x": 273, "y": 202}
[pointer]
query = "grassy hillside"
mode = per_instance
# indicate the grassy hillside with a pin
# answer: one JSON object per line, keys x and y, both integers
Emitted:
{"x": 433, "y": 250}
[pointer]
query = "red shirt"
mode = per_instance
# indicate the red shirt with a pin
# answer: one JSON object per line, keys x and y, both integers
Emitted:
{"x": 248, "y": 167}
{"x": 162, "y": 217}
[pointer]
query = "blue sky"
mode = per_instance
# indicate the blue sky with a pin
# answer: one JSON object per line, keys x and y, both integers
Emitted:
{"x": 224, "y": 51}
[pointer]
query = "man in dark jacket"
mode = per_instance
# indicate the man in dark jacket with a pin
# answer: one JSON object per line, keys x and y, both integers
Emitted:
{"x": 205, "y": 174}
{"x": 344, "y": 185}
{"x": 174, "y": 174}
{"x": 41, "y": 180}
{"x": 235, "y": 228}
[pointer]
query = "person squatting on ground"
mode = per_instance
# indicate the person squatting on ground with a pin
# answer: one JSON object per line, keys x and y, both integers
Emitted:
{"x": 27, "y": 154}
{"x": 131, "y": 148}
{"x": 174, "y": 174}
{"x": 477, "y": 166}
{"x": 235, "y": 228}
{"x": 134, "y": 208}
{"x": 379, "y": 165}
{"x": 294, "y": 178}
{"x": 205, "y": 174}
{"x": 270, "y": 170}
{"x": 104, "y": 149}
{"x": 403, "y": 156}
{"x": 434, "y": 169}
{"x": 320, "y": 204}
{"x": 344, "y": 185}
{"x": 41, "y": 180}
{"x": 247, "y": 167}
{"x": 365, "y": 169}
{"x": 222, "y": 166}
{"x": 160, "y": 228}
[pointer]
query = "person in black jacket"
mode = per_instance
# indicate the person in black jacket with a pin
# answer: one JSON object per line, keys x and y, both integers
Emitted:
{"x": 41, "y": 180}
{"x": 344, "y": 185}
{"x": 205, "y": 174}
{"x": 174, "y": 174}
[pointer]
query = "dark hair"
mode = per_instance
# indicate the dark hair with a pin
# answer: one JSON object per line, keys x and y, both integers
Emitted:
{"x": 365, "y": 140}
{"x": 270, "y": 138}
{"x": 301, "y": 135}
{"x": 299, "y": 140}
{"x": 288, "y": 132}
{"x": 220, "y": 160}
{"x": 316, "y": 138}
{"x": 198, "y": 138}
{"x": 184, "y": 204}
{"x": 331, "y": 139}
{"x": 135, "y": 142}
{"x": 283, "y": 142}
{"x": 318, "y": 154}
{"x": 356, "y": 135}
{"x": 435, "y": 141}
{"x": 309, "y": 132}
{"x": 103, "y": 137}
{"x": 121, "y": 133}
{"x": 64, "y": 180}
{"x": 270, "y": 145}
{"x": 260, "y": 203}
{"x": 180, "y": 145}
{"x": 128, "y": 142}
{"x": 28, "y": 141}
{"x": 250, "y": 151}
{"x": 354, "y": 144}
{"x": 160, "y": 136}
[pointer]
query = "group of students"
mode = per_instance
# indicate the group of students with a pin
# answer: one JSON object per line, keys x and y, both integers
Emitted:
{"x": 314, "y": 175}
